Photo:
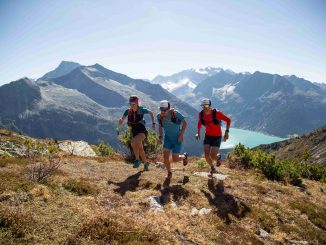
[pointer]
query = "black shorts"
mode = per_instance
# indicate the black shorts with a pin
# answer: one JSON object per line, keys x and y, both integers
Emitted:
{"x": 138, "y": 128}
{"x": 214, "y": 141}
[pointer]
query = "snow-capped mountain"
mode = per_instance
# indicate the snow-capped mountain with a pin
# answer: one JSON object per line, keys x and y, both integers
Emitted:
{"x": 270, "y": 103}
{"x": 183, "y": 83}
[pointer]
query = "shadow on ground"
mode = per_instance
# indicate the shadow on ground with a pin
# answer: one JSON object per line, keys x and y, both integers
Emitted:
{"x": 225, "y": 203}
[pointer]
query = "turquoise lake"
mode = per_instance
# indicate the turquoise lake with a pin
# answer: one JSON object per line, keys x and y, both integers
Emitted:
{"x": 247, "y": 138}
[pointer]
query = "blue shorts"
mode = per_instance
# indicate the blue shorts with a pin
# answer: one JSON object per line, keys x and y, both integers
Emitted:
{"x": 172, "y": 144}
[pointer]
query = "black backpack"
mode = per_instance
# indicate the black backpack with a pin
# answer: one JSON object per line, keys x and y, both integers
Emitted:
{"x": 215, "y": 121}
{"x": 174, "y": 118}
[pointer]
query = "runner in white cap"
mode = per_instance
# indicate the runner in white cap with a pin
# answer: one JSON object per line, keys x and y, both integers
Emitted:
{"x": 174, "y": 125}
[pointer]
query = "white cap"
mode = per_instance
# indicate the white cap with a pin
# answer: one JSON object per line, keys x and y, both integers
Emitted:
{"x": 164, "y": 104}
{"x": 205, "y": 102}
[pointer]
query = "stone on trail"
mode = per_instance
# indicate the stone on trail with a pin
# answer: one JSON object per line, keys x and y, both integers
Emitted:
{"x": 202, "y": 211}
{"x": 215, "y": 176}
{"x": 155, "y": 204}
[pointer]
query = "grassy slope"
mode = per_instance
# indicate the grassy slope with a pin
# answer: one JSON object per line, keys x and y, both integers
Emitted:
{"x": 96, "y": 200}
{"x": 116, "y": 192}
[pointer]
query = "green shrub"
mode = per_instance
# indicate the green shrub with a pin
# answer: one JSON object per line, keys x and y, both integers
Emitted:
{"x": 104, "y": 149}
{"x": 286, "y": 170}
{"x": 152, "y": 145}
{"x": 305, "y": 155}
{"x": 201, "y": 163}
{"x": 5, "y": 155}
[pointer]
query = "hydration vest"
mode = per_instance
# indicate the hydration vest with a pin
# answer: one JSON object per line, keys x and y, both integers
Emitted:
{"x": 174, "y": 118}
{"x": 134, "y": 117}
{"x": 215, "y": 121}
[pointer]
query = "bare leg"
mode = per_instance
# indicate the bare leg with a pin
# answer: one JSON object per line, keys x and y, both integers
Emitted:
{"x": 135, "y": 144}
{"x": 166, "y": 156}
{"x": 141, "y": 149}
{"x": 213, "y": 153}
{"x": 176, "y": 157}
{"x": 207, "y": 150}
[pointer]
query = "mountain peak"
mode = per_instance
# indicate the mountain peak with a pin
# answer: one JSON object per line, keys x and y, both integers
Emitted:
{"x": 67, "y": 63}
{"x": 64, "y": 68}
{"x": 98, "y": 66}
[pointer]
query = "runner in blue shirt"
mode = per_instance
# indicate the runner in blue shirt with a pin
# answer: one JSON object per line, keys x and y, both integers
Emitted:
{"x": 174, "y": 125}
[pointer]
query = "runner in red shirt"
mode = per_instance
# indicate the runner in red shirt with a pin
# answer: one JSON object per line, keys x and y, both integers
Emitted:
{"x": 211, "y": 119}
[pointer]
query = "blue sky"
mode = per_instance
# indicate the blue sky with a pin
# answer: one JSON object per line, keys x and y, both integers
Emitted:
{"x": 146, "y": 38}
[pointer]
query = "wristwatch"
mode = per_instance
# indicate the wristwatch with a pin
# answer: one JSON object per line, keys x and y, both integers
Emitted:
{"x": 226, "y": 130}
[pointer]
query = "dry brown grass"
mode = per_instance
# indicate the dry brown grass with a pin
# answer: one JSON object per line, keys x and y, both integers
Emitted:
{"x": 15, "y": 225}
{"x": 118, "y": 211}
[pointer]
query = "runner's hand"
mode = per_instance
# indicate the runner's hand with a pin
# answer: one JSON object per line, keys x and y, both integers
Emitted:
{"x": 120, "y": 121}
{"x": 153, "y": 126}
{"x": 226, "y": 136}
{"x": 197, "y": 136}
{"x": 180, "y": 138}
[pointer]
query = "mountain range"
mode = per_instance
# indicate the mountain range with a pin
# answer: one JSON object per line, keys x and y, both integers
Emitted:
{"x": 82, "y": 103}
{"x": 278, "y": 105}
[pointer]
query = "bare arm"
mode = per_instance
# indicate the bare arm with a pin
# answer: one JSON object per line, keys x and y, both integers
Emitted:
{"x": 160, "y": 133}
{"x": 151, "y": 114}
{"x": 121, "y": 120}
{"x": 183, "y": 129}
{"x": 199, "y": 125}
{"x": 184, "y": 126}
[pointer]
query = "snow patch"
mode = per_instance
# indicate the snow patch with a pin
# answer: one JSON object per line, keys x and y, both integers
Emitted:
{"x": 171, "y": 85}
{"x": 223, "y": 92}
{"x": 92, "y": 69}
{"x": 191, "y": 85}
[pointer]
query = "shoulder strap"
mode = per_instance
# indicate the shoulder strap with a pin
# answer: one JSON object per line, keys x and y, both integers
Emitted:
{"x": 174, "y": 117}
{"x": 201, "y": 116}
{"x": 216, "y": 122}
{"x": 160, "y": 121}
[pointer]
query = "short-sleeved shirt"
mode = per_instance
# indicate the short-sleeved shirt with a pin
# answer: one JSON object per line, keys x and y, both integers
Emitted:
{"x": 210, "y": 128}
{"x": 141, "y": 110}
{"x": 171, "y": 129}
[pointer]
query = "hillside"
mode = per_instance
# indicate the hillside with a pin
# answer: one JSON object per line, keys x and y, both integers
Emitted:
{"x": 314, "y": 143}
{"x": 103, "y": 200}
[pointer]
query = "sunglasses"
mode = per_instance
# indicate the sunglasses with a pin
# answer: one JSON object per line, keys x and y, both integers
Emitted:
{"x": 163, "y": 109}
{"x": 205, "y": 106}
{"x": 132, "y": 104}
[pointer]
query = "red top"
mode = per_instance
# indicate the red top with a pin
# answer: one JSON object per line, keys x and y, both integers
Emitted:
{"x": 212, "y": 129}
